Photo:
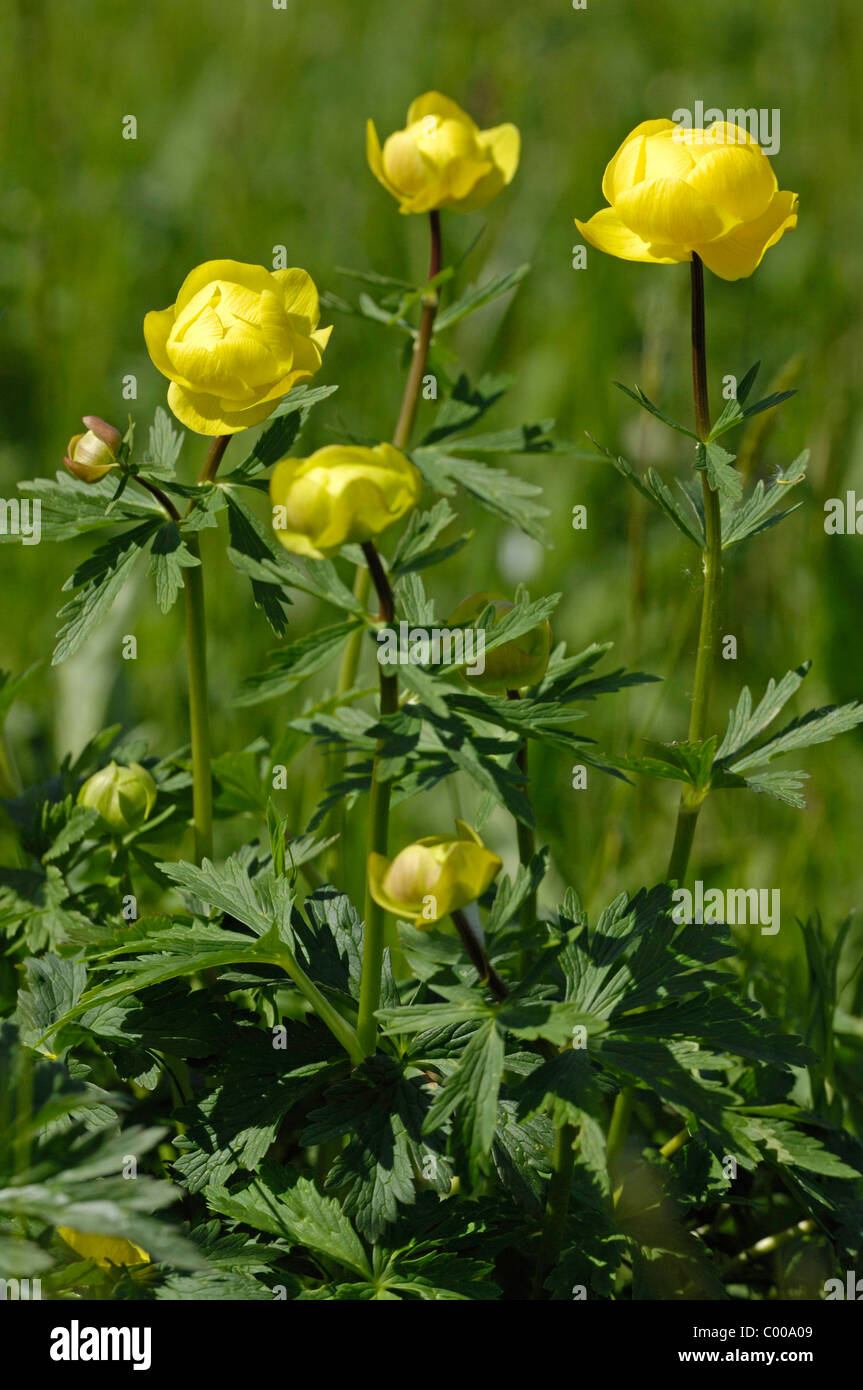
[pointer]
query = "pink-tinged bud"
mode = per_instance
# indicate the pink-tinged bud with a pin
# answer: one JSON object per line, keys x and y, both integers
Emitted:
{"x": 107, "y": 433}
{"x": 93, "y": 454}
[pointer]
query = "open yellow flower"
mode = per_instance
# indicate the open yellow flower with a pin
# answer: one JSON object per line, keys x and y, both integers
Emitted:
{"x": 105, "y": 1250}
{"x": 433, "y": 876}
{"x": 236, "y": 341}
{"x": 673, "y": 191}
{"x": 341, "y": 494}
{"x": 442, "y": 159}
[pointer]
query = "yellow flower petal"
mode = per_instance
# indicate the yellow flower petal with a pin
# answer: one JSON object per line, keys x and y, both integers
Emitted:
{"x": 107, "y": 1251}
{"x": 671, "y": 212}
{"x": 626, "y": 165}
{"x": 737, "y": 178}
{"x": 436, "y": 104}
{"x": 300, "y": 295}
{"x": 210, "y": 415}
{"x": 157, "y": 328}
{"x": 739, "y": 253}
{"x": 608, "y": 233}
{"x": 253, "y": 277}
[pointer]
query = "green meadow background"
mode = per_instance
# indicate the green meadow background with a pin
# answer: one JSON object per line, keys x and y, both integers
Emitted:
{"x": 251, "y": 135}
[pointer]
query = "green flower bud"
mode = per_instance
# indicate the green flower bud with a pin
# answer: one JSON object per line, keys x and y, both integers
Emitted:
{"x": 513, "y": 665}
{"x": 123, "y": 796}
{"x": 93, "y": 454}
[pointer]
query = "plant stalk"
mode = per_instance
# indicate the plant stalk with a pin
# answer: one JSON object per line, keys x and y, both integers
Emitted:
{"x": 708, "y": 636}
{"x": 378, "y": 830}
{"x": 556, "y": 1206}
{"x": 196, "y": 645}
{"x": 401, "y": 439}
{"x": 478, "y": 957}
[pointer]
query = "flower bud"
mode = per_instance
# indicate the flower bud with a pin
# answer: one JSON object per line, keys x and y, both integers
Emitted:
{"x": 93, "y": 454}
{"x": 105, "y": 1250}
{"x": 339, "y": 495}
{"x": 123, "y": 796}
{"x": 513, "y": 665}
{"x": 433, "y": 876}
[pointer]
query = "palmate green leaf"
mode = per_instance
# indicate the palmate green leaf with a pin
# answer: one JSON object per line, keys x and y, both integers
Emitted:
{"x": 646, "y": 404}
{"x": 250, "y": 538}
{"x": 466, "y": 404}
{"x": 295, "y": 662}
{"x": 98, "y": 581}
{"x": 716, "y": 463}
{"x": 818, "y": 726}
{"x": 498, "y": 491}
{"x": 316, "y": 577}
{"x": 739, "y": 763}
{"x": 519, "y": 1156}
{"x": 382, "y": 1111}
{"x": 72, "y": 508}
{"x": 169, "y": 556}
{"x": 54, "y": 985}
{"x": 165, "y": 443}
{"x": 756, "y": 512}
{"x": 287, "y": 420}
{"x": 232, "y": 1128}
{"x": 787, "y": 1144}
{"x": 562, "y": 1085}
{"x": 284, "y": 1204}
{"x": 686, "y": 518}
{"x": 686, "y": 762}
{"x": 229, "y": 889}
{"x": 416, "y": 547}
{"x": 474, "y": 297}
{"x": 734, "y": 412}
{"x": 469, "y": 1098}
{"x": 744, "y": 724}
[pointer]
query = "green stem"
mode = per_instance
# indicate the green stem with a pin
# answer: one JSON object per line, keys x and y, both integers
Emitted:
{"x": 338, "y": 1026}
{"x": 676, "y": 1142}
{"x": 199, "y": 714}
{"x": 619, "y": 1127}
{"x": 708, "y": 636}
{"x": 401, "y": 439}
{"x": 196, "y": 644}
{"x": 526, "y": 844}
{"x": 556, "y": 1206}
{"x": 419, "y": 361}
{"x": 378, "y": 830}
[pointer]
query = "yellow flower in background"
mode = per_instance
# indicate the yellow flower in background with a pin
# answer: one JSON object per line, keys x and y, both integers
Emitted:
{"x": 513, "y": 665}
{"x": 341, "y": 494}
{"x": 236, "y": 341}
{"x": 105, "y": 1250}
{"x": 442, "y": 159}
{"x": 433, "y": 876}
{"x": 673, "y": 191}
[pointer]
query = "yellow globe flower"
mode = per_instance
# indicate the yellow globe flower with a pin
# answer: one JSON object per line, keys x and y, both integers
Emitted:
{"x": 513, "y": 665}
{"x": 105, "y": 1250}
{"x": 673, "y": 191}
{"x": 442, "y": 159}
{"x": 433, "y": 876}
{"x": 236, "y": 341}
{"x": 340, "y": 495}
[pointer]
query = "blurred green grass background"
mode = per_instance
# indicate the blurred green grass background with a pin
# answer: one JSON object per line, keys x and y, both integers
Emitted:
{"x": 250, "y": 135}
